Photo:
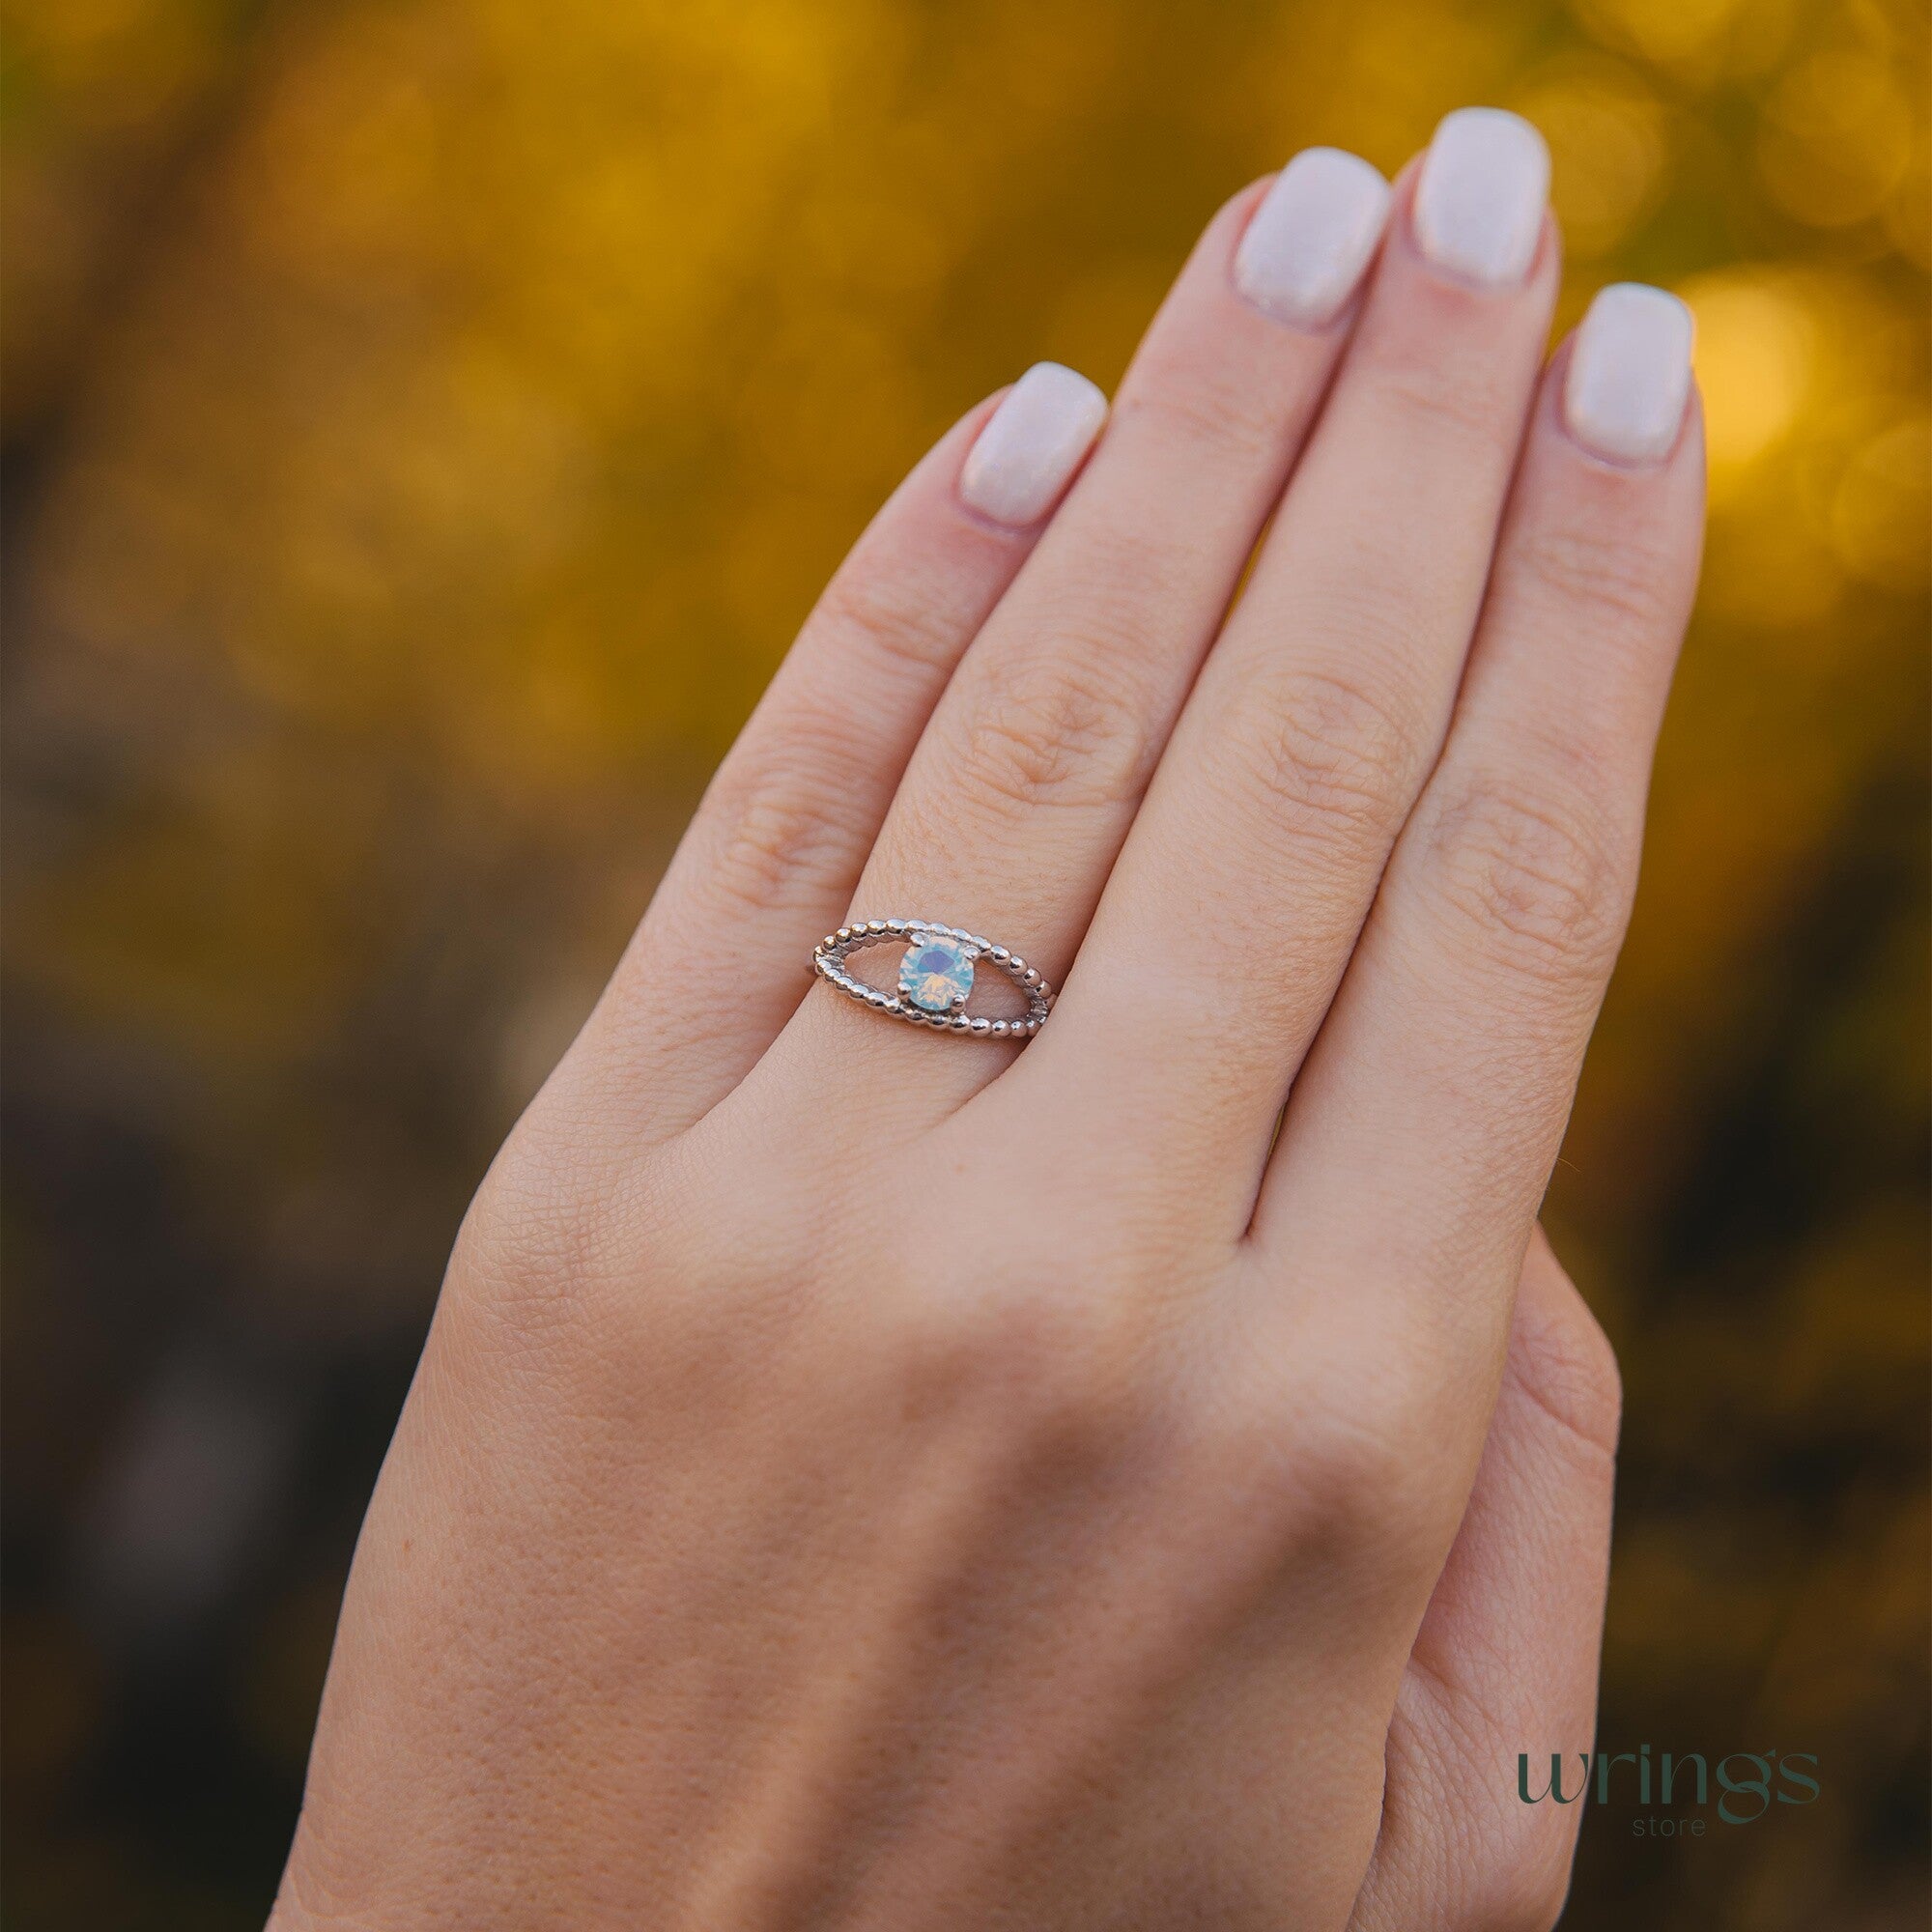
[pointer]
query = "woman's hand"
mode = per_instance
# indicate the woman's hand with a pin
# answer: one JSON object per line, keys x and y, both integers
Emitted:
{"x": 866, "y": 1477}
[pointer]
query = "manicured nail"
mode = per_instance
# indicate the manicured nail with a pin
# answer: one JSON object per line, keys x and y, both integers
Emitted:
{"x": 1021, "y": 461}
{"x": 1479, "y": 203}
{"x": 1629, "y": 374}
{"x": 1309, "y": 240}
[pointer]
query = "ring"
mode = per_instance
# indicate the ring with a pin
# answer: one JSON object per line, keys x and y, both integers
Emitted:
{"x": 936, "y": 975}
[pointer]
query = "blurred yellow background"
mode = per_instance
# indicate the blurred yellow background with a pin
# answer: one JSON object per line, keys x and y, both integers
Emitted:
{"x": 427, "y": 422}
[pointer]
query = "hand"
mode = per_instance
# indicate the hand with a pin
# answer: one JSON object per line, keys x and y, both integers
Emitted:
{"x": 865, "y": 1478}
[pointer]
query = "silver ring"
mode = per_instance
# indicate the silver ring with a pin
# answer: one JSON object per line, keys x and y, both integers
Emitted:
{"x": 936, "y": 975}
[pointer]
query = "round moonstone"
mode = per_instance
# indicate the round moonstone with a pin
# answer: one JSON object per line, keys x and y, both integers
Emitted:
{"x": 935, "y": 975}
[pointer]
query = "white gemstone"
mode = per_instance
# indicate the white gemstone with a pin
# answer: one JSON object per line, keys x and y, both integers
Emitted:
{"x": 936, "y": 974}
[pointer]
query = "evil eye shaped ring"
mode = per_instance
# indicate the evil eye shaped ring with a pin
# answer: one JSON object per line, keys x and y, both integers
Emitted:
{"x": 936, "y": 975}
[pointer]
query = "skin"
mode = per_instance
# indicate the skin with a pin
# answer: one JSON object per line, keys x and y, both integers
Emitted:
{"x": 859, "y": 1479}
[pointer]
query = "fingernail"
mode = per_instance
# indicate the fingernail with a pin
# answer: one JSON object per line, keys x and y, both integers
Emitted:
{"x": 1308, "y": 243}
{"x": 1479, "y": 203}
{"x": 1021, "y": 461}
{"x": 1629, "y": 374}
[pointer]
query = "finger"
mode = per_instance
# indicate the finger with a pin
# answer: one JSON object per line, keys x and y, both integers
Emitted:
{"x": 1442, "y": 1078}
{"x": 1016, "y": 803}
{"x": 1233, "y": 911}
{"x": 775, "y": 848}
{"x": 1506, "y": 1662}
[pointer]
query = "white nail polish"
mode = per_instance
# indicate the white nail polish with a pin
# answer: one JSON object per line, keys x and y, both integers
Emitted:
{"x": 1308, "y": 243}
{"x": 1021, "y": 461}
{"x": 1629, "y": 374}
{"x": 1479, "y": 200}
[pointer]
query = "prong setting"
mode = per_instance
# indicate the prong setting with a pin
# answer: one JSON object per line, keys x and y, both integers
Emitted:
{"x": 956, "y": 952}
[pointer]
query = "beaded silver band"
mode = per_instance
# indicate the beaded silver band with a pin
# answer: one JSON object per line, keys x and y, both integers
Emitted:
{"x": 828, "y": 962}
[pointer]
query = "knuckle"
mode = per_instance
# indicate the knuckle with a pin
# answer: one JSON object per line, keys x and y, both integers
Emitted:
{"x": 783, "y": 827}
{"x": 1207, "y": 406}
{"x": 1616, "y": 580}
{"x": 531, "y": 1228}
{"x": 1541, "y": 885}
{"x": 1459, "y": 403}
{"x": 1063, "y": 729}
{"x": 1348, "y": 1486}
{"x": 898, "y": 616}
{"x": 1564, "y": 1363}
{"x": 1326, "y": 756}
{"x": 543, "y": 1263}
